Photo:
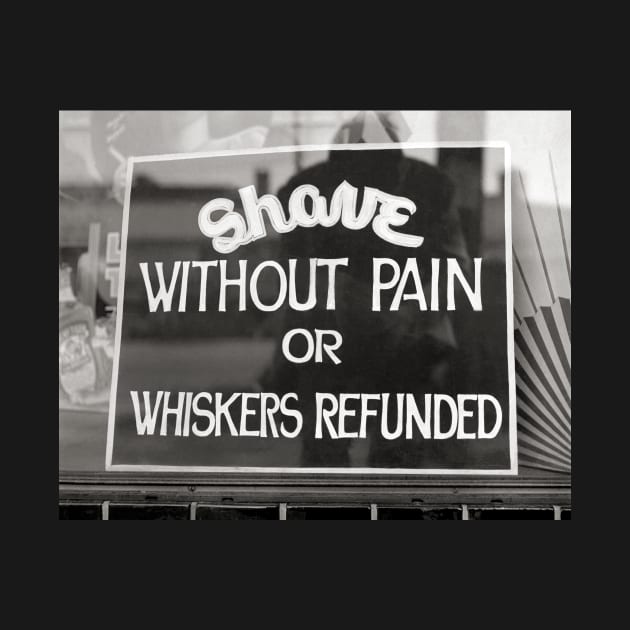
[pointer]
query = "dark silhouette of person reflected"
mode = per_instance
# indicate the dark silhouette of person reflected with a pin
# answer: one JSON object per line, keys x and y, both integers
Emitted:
{"x": 382, "y": 351}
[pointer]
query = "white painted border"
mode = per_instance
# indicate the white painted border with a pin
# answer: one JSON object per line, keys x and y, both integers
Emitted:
{"x": 513, "y": 470}
{"x": 119, "y": 315}
{"x": 509, "y": 305}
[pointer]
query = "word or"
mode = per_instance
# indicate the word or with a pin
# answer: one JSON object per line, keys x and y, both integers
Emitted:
{"x": 312, "y": 346}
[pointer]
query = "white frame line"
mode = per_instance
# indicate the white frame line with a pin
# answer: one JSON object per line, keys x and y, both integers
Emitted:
{"x": 512, "y": 425}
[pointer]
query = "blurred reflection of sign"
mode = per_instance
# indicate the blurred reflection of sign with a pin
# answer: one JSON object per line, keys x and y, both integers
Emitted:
{"x": 117, "y": 135}
{"x": 112, "y": 265}
{"x": 373, "y": 127}
{"x": 85, "y": 351}
{"x": 310, "y": 329}
{"x": 98, "y": 269}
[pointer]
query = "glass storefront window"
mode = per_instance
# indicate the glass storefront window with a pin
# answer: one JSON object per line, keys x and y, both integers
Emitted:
{"x": 93, "y": 150}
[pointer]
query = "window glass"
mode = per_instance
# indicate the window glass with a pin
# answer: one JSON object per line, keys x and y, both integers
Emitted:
{"x": 93, "y": 150}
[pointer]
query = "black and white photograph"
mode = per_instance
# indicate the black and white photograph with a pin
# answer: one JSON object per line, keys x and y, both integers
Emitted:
{"x": 315, "y": 314}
